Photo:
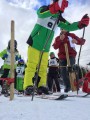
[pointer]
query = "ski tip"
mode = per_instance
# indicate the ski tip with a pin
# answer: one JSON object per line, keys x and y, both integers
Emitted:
{"x": 61, "y": 97}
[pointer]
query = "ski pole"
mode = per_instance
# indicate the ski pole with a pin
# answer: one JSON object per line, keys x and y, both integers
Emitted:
{"x": 79, "y": 60}
{"x": 81, "y": 46}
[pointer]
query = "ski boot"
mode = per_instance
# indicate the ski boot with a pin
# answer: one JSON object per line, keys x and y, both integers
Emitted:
{"x": 29, "y": 90}
{"x": 20, "y": 92}
{"x": 5, "y": 89}
{"x": 43, "y": 90}
{"x": 66, "y": 90}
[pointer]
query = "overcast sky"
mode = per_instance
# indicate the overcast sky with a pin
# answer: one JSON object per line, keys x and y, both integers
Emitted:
{"x": 23, "y": 12}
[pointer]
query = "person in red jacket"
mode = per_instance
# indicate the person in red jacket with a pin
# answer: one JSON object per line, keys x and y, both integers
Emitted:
{"x": 71, "y": 39}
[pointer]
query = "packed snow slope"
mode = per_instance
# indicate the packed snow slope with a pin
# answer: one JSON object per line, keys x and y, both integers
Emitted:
{"x": 22, "y": 108}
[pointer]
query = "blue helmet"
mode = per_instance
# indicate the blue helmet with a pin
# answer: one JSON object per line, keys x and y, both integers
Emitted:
{"x": 21, "y": 61}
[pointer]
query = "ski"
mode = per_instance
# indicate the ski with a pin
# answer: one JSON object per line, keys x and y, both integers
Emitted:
{"x": 53, "y": 97}
{"x": 82, "y": 96}
{"x": 49, "y": 97}
{"x": 71, "y": 94}
{"x": 57, "y": 96}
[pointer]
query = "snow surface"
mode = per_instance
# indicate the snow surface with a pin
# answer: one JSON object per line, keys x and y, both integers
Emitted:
{"x": 22, "y": 108}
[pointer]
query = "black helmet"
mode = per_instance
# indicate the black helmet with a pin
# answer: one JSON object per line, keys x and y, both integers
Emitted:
{"x": 15, "y": 44}
{"x": 55, "y": 0}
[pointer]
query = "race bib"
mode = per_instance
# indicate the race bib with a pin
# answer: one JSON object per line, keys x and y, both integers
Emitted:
{"x": 53, "y": 62}
{"x": 47, "y": 22}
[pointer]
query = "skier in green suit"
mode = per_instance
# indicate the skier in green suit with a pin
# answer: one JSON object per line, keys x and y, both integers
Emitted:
{"x": 47, "y": 15}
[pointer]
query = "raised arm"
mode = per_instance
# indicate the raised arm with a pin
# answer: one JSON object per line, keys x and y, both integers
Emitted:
{"x": 52, "y": 9}
{"x": 84, "y": 22}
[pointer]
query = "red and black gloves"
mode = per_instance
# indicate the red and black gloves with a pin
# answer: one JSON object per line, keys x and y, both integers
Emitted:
{"x": 82, "y": 41}
{"x": 63, "y": 4}
{"x": 60, "y": 5}
{"x": 84, "y": 21}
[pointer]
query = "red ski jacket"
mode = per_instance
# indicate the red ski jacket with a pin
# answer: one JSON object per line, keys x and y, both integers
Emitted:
{"x": 59, "y": 44}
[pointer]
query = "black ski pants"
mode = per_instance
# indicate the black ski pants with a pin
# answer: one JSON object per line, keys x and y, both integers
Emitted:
{"x": 64, "y": 71}
{"x": 51, "y": 79}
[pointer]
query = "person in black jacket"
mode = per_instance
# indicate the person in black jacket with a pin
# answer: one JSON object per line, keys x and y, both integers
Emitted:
{"x": 53, "y": 70}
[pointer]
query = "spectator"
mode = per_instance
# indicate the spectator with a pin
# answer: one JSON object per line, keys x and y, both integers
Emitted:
{"x": 71, "y": 39}
{"x": 53, "y": 71}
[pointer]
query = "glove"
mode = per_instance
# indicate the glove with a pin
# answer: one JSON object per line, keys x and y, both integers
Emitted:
{"x": 82, "y": 41}
{"x": 63, "y": 4}
{"x": 4, "y": 56}
{"x": 84, "y": 21}
{"x": 58, "y": 6}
